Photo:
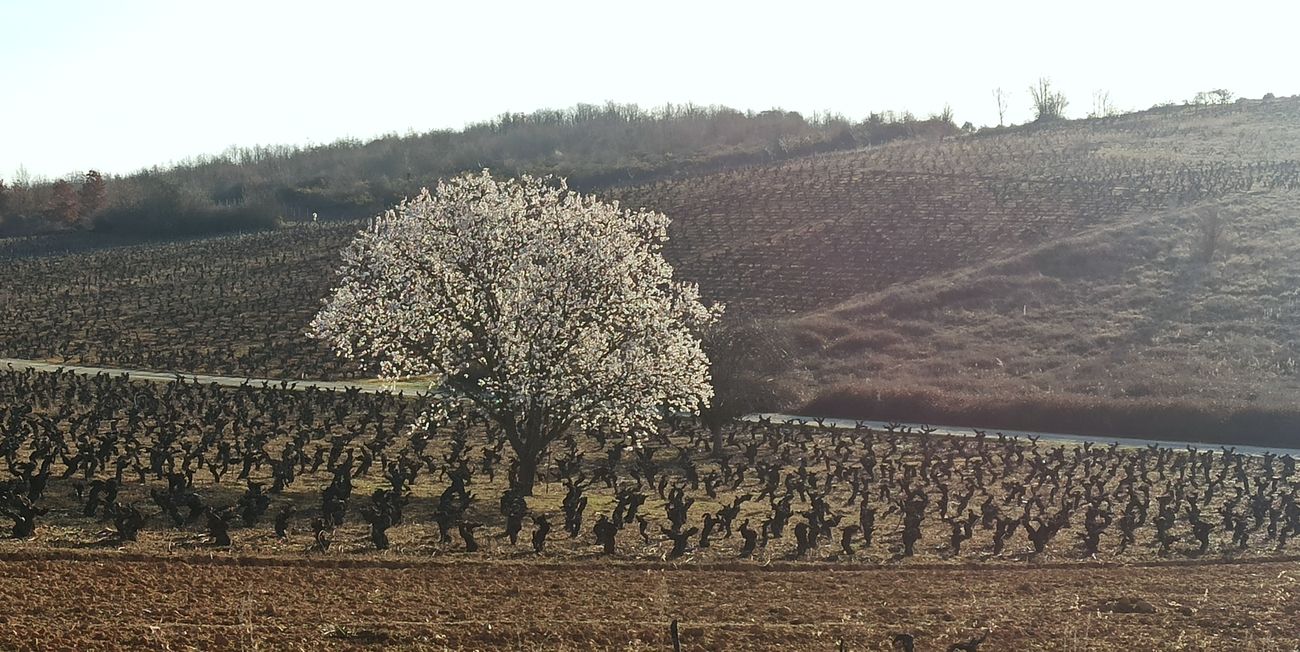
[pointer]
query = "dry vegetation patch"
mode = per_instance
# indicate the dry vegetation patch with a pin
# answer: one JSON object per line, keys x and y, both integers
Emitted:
{"x": 1122, "y": 317}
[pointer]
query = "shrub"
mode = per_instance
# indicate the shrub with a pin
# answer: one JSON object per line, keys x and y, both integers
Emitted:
{"x": 1168, "y": 420}
{"x": 165, "y": 210}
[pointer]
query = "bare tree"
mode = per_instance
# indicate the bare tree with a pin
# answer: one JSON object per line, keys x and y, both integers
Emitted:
{"x": 1001, "y": 99}
{"x": 946, "y": 116}
{"x": 1101, "y": 105}
{"x": 23, "y": 178}
{"x": 1048, "y": 104}
{"x": 746, "y": 357}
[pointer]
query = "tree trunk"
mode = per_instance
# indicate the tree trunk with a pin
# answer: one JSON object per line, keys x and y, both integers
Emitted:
{"x": 529, "y": 440}
{"x": 532, "y": 443}
{"x": 527, "y": 473}
{"x": 715, "y": 428}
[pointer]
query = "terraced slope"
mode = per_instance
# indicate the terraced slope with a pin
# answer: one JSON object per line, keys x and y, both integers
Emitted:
{"x": 786, "y": 240}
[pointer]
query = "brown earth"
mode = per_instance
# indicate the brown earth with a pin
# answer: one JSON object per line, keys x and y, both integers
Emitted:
{"x": 106, "y": 601}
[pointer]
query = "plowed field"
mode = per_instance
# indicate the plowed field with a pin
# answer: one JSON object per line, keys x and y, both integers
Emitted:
{"x": 113, "y": 602}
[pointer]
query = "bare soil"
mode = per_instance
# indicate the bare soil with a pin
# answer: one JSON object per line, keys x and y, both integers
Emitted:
{"x": 110, "y": 601}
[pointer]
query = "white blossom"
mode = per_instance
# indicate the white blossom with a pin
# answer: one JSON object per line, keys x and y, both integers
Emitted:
{"x": 547, "y": 309}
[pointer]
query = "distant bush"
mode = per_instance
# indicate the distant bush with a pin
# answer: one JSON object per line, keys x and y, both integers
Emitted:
{"x": 1169, "y": 420}
{"x": 166, "y": 210}
{"x": 748, "y": 357}
{"x": 592, "y": 146}
{"x": 1209, "y": 223}
{"x": 21, "y": 225}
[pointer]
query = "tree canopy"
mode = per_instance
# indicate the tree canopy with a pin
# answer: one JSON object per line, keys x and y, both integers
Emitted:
{"x": 543, "y": 309}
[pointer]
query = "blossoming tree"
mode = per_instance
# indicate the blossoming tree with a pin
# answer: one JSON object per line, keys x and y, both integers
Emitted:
{"x": 543, "y": 310}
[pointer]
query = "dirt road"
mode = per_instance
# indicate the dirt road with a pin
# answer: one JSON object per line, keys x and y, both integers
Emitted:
{"x": 410, "y": 387}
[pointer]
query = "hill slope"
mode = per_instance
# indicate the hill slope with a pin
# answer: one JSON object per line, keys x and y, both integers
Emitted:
{"x": 1129, "y": 311}
{"x": 1052, "y": 260}
{"x": 803, "y": 234}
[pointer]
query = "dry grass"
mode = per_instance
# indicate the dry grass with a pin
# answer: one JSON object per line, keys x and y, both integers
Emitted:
{"x": 1126, "y": 320}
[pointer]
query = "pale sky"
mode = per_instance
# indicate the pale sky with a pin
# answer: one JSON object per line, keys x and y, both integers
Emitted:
{"x": 123, "y": 85}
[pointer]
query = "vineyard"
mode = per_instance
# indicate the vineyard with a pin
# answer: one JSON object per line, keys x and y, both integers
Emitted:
{"x": 92, "y": 443}
{"x": 235, "y": 304}
{"x": 930, "y": 278}
{"x": 805, "y": 234}
{"x": 782, "y": 239}
{"x": 156, "y": 478}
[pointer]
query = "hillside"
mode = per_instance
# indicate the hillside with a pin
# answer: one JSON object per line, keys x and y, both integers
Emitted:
{"x": 803, "y": 234}
{"x": 257, "y": 188}
{"x": 1134, "y": 314}
{"x": 235, "y": 304}
{"x": 1042, "y": 261}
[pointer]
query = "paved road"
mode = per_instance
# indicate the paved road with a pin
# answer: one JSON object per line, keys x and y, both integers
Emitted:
{"x": 415, "y": 387}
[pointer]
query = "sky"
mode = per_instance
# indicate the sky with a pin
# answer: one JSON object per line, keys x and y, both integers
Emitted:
{"x": 120, "y": 86}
